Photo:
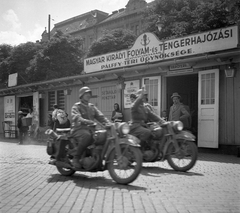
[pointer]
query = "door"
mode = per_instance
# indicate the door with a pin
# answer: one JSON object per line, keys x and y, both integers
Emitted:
{"x": 35, "y": 119}
{"x": 208, "y": 108}
{"x": 153, "y": 88}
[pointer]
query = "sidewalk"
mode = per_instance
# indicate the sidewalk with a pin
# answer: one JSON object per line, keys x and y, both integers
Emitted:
{"x": 224, "y": 150}
{"x": 29, "y": 141}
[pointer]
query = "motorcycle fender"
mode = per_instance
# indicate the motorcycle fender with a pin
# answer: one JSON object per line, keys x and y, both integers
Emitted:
{"x": 185, "y": 135}
{"x": 130, "y": 140}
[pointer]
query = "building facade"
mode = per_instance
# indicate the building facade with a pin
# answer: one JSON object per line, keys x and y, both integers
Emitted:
{"x": 203, "y": 68}
{"x": 91, "y": 25}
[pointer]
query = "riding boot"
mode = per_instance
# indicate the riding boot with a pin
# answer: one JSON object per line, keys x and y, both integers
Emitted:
{"x": 76, "y": 162}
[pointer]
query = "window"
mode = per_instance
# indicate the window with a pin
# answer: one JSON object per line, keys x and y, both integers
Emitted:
{"x": 56, "y": 97}
{"x": 208, "y": 89}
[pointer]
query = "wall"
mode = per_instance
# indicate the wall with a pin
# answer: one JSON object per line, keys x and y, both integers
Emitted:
{"x": 105, "y": 94}
{"x": 229, "y": 117}
{"x": 1, "y": 113}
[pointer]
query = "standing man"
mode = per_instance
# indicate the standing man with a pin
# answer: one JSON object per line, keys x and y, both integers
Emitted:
{"x": 83, "y": 114}
{"x": 178, "y": 111}
{"x": 23, "y": 130}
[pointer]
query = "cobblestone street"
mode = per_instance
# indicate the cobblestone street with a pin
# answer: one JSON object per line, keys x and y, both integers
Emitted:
{"x": 29, "y": 184}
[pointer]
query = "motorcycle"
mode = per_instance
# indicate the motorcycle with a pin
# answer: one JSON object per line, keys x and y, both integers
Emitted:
{"x": 169, "y": 142}
{"x": 113, "y": 149}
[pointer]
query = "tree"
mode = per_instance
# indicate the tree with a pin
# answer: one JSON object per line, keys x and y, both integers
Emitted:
{"x": 111, "y": 41}
{"x": 183, "y": 17}
{"x": 5, "y": 52}
{"x": 60, "y": 57}
{"x": 17, "y": 61}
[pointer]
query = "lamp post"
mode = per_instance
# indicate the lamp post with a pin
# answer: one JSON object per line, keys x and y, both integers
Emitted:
{"x": 49, "y": 22}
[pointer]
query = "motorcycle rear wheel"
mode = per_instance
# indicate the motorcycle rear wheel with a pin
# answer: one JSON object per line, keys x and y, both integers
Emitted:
{"x": 129, "y": 165}
{"x": 184, "y": 159}
{"x": 65, "y": 171}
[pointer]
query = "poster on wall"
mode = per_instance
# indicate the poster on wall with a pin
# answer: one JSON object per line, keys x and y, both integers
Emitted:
{"x": 35, "y": 119}
{"x": 131, "y": 87}
{"x": 9, "y": 109}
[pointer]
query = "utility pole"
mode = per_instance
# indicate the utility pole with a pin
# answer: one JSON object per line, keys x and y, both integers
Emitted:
{"x": 49, "y": 20}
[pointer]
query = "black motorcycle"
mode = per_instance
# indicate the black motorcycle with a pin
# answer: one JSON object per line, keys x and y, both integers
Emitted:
{"x": 169, "y": 142}
{"x": 113, "y": 149}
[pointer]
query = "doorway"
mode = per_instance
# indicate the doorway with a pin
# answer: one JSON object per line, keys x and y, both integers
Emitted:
{"x": 187, "y": 87}
{"x": 25, "y": 103}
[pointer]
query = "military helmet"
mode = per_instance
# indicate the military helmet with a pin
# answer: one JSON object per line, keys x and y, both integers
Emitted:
{"x": 83, "y": 90}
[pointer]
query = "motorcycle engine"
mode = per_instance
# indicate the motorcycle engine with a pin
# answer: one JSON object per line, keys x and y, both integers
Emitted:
{"x": 88, "y": 163}
{"x": 157, "y": 133}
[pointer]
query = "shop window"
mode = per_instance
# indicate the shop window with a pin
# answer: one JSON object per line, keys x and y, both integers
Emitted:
{"x": 208, "y": 89}
{"x": 56, "y": 97}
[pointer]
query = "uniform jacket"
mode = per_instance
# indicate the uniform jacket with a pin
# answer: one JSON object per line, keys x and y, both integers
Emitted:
{"x": 141, "y": 114}
{"x": 83, "y": 115}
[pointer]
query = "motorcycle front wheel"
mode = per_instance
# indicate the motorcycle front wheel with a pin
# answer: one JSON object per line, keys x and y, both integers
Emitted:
{"x": 183, "y": 159}
{"x": 125, "y": 169}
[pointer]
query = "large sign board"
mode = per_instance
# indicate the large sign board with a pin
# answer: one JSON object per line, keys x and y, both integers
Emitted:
{"x": 9, "y": 109}
{"x": 12, "y": 80}
{"x": 148, "y": 49}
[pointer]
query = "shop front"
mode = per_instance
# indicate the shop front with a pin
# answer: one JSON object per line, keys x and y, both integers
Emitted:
{"x": 203, "y": 68}
{"x": 196, "y": 67}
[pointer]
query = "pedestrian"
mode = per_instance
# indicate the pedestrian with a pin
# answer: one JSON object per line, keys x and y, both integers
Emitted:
{"x": 178, "y": 111}
{"x": 59, "y": 125}
{"x": 117, "y": 113}
{"x": 30, "y": 113}
{"x": 54, "y": 113}
{"x": 62, "y": 143}
{"x": 23, "y": 130}
{"x": 164, "y": 115}
{"x": 50, "y": 121}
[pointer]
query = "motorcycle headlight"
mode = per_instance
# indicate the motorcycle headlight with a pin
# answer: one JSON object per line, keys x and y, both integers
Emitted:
{"x": 177, "y": 125}
{"x": 124, "y": 128}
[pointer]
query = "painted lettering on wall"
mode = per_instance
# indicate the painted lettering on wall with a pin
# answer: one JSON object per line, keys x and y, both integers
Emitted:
{"x": 147, "y": 49}
{"x": 108, "y": 94}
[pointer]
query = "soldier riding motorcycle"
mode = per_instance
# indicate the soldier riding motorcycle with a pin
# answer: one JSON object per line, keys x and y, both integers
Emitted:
{"x": 86, "y": 148}
{"x": 162, "y": 140}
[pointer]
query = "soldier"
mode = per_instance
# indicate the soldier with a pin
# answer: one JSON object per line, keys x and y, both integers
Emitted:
{"x": 140, "y": 116}
{"x": 83, "y": 114}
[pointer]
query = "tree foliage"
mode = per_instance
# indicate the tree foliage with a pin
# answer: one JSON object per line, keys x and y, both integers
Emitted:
{"x": 17, "y": 61}
{"x": 5, "y": 52}
{"x": 183, "y": 17}
{"x": 111, "y": 41}
{"x": 60, "y": 57}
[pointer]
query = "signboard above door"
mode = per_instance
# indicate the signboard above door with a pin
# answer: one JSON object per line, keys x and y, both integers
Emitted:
{"x": 149, "y": 49}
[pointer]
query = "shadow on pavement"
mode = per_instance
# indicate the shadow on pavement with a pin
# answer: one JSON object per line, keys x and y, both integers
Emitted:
{"x": 85, "y": 181}
{"x": 150, "y": 171}
{"x": 220, "y": 158}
